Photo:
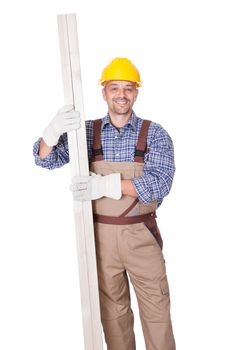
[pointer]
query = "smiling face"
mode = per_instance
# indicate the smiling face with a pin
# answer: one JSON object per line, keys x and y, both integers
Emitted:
{"x": 120, "y": 96}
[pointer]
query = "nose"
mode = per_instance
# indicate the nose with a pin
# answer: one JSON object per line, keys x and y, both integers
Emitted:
{"x": 121, "y": 92}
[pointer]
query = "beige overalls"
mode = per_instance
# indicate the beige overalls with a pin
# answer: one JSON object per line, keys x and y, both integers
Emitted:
{"x": 128, "y": 243}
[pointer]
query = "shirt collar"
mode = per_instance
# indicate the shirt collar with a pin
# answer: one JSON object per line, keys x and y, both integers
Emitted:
{"x": 132, "y": 121}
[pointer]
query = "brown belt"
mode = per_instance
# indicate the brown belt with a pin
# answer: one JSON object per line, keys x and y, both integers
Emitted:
{"x": 147, "y": 219}
{"x": 123, "y": 220}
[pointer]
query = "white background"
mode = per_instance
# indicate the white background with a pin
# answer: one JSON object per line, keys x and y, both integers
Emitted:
{"x": 183, "y": 50}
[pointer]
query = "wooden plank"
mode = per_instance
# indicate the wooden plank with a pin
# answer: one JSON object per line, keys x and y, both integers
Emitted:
{"x": 71, "y": 73}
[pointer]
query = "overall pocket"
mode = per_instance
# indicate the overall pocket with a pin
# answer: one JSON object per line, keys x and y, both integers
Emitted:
{"x": 152, "y": 226}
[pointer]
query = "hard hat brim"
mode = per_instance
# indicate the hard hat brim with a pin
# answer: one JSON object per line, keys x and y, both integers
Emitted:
{"x": 138, "y": 83}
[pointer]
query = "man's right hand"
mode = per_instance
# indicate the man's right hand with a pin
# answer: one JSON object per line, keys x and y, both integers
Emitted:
{"x": 66, "y": 119}
{"x": 86, "y": 188}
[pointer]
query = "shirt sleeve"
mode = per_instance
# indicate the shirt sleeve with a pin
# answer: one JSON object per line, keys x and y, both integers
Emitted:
{"x": 159, "y": 167}
{"x": 58, "y": 157}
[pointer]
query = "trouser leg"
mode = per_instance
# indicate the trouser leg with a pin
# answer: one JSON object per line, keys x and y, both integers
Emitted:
{"x": 147, "y": 272}
{"x": 116, "y": 314}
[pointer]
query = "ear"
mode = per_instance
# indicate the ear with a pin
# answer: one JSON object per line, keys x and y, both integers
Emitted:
{"x": 104, "y": 94}
{"x": 136, "y": 94}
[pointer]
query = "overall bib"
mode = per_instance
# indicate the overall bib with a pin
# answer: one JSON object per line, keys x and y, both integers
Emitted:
{"x": 128, "y": 244}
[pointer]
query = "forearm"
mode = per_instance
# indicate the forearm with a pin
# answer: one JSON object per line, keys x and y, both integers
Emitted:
{"x": 128, "y": 189}
{"x": 56, "y": 157}
{"x": 153, "y": 187}
{"x": 44, "y": 149}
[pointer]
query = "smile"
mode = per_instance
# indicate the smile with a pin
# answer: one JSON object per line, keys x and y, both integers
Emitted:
{"x": 121, "y": 103}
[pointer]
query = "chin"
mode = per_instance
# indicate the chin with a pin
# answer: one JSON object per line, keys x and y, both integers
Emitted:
{"x": 122, "y": 111}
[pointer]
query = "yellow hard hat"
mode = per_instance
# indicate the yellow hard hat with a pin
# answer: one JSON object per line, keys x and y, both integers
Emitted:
{"x": 121, "y": 69}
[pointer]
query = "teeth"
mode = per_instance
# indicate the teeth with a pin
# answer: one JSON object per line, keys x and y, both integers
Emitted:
{"x": 122, "y": 103}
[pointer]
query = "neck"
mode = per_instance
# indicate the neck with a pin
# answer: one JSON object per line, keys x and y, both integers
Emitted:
{"x": 119, "y": 120}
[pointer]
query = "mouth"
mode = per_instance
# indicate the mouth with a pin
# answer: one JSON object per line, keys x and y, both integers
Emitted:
{"x": 121, "y": 102}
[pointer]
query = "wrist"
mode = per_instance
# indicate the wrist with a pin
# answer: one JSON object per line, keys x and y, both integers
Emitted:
{"x": 128, "y": 189}
{"x": 44, "y": 149}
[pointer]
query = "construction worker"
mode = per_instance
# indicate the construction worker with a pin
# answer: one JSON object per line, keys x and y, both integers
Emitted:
{"x": 132, "y": 168}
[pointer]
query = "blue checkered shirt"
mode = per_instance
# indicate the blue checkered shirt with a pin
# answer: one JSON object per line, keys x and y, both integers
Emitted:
{"x": 119, "y": 146}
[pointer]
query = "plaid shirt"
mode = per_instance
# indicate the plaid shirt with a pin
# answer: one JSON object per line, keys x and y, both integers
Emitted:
{"x": 119, "y": 146}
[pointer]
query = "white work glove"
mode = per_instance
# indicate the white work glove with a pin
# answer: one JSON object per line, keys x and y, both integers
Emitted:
{"x": 66, "y": 119}
{"x": 86, "y": 188}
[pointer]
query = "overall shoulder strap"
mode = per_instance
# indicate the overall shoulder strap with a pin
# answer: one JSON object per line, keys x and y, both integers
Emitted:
{"x": 141, "y": 146}
{"x": 97, "y": 151}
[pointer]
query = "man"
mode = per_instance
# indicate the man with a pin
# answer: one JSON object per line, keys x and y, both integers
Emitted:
{"x": 132, "y": 165}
